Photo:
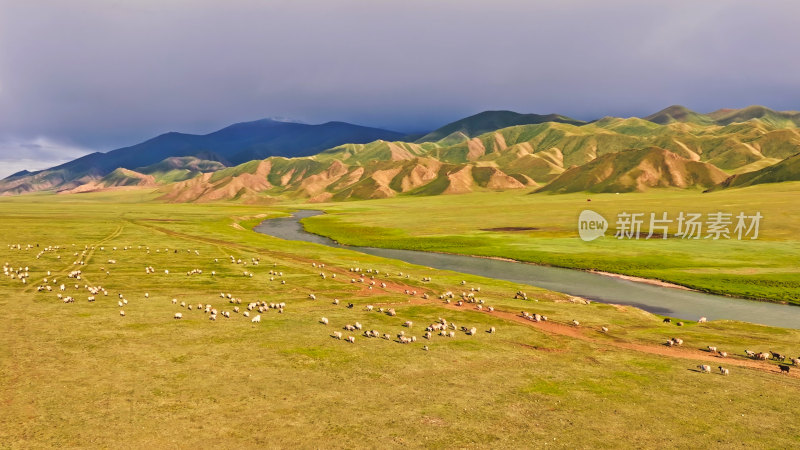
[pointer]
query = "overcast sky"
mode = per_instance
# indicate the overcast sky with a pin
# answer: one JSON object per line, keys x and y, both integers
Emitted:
{"x": 93, "y": 75}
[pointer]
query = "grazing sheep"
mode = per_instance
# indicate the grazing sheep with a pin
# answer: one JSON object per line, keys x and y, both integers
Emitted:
{"x": 784, "y": 369}
{"x": 337, "y": 335}
{"x": 122, "y": 313}
{"x": 677, "y": 341}
{"x": 722, "y": 354}
{"x": 762, "y": 356}
{"x": 492, "y": 330}
{"x": 323, "y": 320}
{"x": 576, "y": 323}
{"x": 408, "y": 324}
{"x": 667, "y": 320}
{"x": 178, "y": 316}
{"x": 705, "y": 368}
{"x": 702, "y": 320}
{"x": 680, "y": 324}
{"x": 119, "y": 304}
{"x": 256, "y": 319}
{"x": 712, "y": 349}
{"x": 246, "y": 314}
{"x": 777, "y": 356}
{"x": 796, "y": 361}
{"x": 724, "y": 371}
{"x": 369, "y": 307}
{"x": 146, "y": 295}
{"x": 750, "y": 354}
{"x": 212, "y": 317}
{"x": 604, "y": 329}
{"x": 351, "y": 339}
{"x": 174, "y": 301}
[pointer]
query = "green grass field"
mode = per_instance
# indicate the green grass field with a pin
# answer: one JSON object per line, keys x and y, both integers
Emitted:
{"x": 80, "y": 375}
{"x": 765, "y": 268}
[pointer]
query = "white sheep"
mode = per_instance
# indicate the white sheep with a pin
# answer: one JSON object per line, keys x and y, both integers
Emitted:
{"x": 724, "y": 371}
{"x": 705, "y": 368}
{"x": 351, "y": 339}
{"x": 256, "y": 319}
{"x": 122, "y": 313}
{"x": 323, "y": 320}
{"x": 178, "y": 315}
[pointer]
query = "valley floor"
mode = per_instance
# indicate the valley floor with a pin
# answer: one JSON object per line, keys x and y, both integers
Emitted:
{"x": 80, "y": 374}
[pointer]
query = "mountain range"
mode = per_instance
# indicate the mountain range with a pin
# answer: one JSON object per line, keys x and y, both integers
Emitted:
{"x": 492, "y": 150}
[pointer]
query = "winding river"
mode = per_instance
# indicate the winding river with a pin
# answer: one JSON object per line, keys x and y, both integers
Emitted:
{"x": 679, "y": 303}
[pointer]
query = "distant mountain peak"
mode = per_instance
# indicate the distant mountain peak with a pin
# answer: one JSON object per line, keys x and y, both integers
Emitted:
{"x": 487, "y": 121}
{"x": 679, "y": 113}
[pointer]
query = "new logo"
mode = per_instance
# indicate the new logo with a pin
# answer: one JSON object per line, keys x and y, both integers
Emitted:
{"x": 591, "y": 225}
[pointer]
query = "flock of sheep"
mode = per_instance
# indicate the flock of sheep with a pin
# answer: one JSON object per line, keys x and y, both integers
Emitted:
{"x": 762, "y": 356}
{"x": 436, "y": 328}
{"x": 50, "y": 284}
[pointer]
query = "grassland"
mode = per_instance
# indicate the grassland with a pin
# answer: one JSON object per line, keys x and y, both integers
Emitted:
{"x": 79, "y": 375}
{"x": 542, "y": 228}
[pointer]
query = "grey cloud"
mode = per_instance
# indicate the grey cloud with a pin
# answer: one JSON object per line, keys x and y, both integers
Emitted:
{"x": 104, "y": 74}
{"x": 35, "y": 154}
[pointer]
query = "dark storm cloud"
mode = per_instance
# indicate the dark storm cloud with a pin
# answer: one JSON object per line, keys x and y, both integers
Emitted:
{"x": 98, "y": 74}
